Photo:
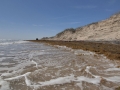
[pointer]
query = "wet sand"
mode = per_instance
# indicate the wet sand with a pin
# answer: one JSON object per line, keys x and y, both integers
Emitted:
{"x": 86, "y": 71}
{"x": 90, "y": 71}
{"x": 111, "y": 49}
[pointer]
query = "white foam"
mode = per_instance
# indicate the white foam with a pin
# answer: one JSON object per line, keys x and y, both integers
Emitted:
{"x": 63, "y": 47}
{"x": 6, "y": 64}
{"x": 6, "y": 43}
{"x": 82, "y": 52}
{"x": 80, "y": 85}
{"x": 2, "y": 58}
{"x": 88, "y": 70}
{"x": 89, "y": 80}
{"x": 13, "y": 78}
{"x": 19, "y": 42}
{"x": 6, "y": 74}
{"x": 12, "y": 42}
{"x": 35, "y": 63}
{"x": 27, "y": 81}
{"x": 113, "y": 79}
{"x": 111, "y": 65}
{"x": 4, "y": 85}
{"x": 18, "y": 67}
{"x": 113, "y": 69}
{"x": 17, "y": 77}
{"x": 1, "y": 54}
{"x": 60, "y": 80}
{"x": 69, "y": 79}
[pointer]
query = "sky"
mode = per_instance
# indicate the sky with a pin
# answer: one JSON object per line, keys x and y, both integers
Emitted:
{"x": 31, "y": 19}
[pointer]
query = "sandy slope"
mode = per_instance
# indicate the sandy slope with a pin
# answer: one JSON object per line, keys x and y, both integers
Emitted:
{"x": 106, "y": 30}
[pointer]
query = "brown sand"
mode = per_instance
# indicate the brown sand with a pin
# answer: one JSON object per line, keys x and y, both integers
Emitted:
{"x": 111, "y": 51}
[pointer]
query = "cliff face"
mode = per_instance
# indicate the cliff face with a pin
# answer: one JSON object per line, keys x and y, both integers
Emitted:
{"x": 106, "y": 30}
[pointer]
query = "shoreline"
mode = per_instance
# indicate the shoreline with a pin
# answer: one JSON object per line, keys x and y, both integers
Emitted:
{"x": 110, "y": 50}
{"x": 49, "y": 66}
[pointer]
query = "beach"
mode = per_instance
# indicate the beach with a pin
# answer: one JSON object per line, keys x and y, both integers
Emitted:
{"x": 111, "y": 49}
{"x": 38, "y": 65}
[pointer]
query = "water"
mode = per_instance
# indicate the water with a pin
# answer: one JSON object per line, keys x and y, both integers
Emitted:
{"x": 34, "y": 66}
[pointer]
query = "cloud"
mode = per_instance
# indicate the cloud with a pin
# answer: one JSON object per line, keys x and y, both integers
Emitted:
{"x": 85, "y": 7}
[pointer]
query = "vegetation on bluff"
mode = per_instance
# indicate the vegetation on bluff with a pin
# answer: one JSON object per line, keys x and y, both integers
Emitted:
{"x": 71, "y": 30}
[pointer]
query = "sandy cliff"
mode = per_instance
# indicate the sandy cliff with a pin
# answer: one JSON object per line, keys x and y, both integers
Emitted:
{"x": 105, "y": 30}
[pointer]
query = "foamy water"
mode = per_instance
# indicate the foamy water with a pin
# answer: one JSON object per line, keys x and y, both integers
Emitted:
{"x": 33, "y": 66}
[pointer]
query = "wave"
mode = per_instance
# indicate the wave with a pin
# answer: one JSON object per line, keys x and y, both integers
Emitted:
{"x": 9, "y": 42}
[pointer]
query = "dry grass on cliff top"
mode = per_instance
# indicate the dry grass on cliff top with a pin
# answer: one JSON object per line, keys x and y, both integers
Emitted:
{"x": 111, "y": 51}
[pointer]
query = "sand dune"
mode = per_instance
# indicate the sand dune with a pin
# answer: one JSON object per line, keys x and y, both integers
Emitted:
{"x": 105, "y": 30}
